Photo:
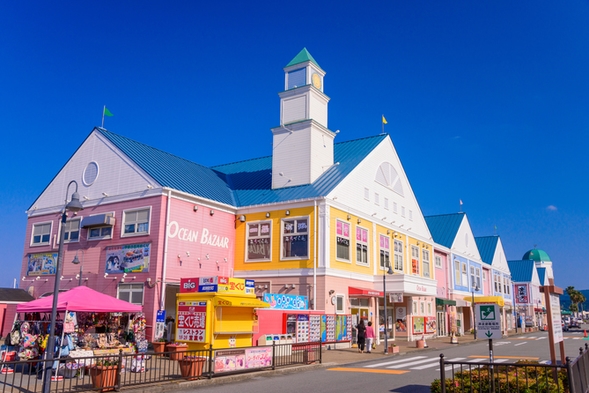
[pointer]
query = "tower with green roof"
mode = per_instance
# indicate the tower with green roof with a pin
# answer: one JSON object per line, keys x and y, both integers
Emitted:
{"x": 541, "y": 260}
{"x": 302, "y": 136}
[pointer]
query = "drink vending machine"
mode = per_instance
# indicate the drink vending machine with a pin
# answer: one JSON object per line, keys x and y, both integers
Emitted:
{"x": 303, "y": 327}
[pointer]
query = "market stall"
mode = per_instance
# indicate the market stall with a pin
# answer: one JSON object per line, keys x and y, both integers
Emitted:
{"x": 89, "y": 323}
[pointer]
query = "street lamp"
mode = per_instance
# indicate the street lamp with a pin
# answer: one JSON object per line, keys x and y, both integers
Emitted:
{"x": 386, "y": 319}
{"x": 74, "y": 205}
{"x": 76, "y": 261}
{"x": 475, "y": 288}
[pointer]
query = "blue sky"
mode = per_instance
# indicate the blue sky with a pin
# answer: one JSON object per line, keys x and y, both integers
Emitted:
{"x": 486, "y": 102}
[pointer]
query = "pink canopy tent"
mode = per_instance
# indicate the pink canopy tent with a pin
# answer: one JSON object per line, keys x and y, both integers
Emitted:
{"x": 81, "y": 299}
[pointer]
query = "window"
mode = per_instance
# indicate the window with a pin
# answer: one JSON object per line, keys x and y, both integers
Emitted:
{"x": 415, "y": 308}
{"x": 297, "y": 78}
{"x": 295, "y": 238}
{"x": 361, "y": 246}
{"x": 259, "y": 241}
{"x": 386, "y": 203}
{"x": 366, "y": 194}
{"x": 484, "y": 275}
{"x": 376, "y": 199}
{"x": 72, "y": 231}
{"x": 402, "y": 211}
{"x": 410, "y": 215}
{"x": 398, "y": 255}
{"x": 98, "y": 233}
{"x": 41, "y": 234}
{"x": 342, "y": 240}
{"x": 464, "y": 275}
{"x": 132, "y": 293}
{"x": 497, "y": 280}
{"x": 136, "y": 222}
{"x": 477, "y": 273}
{"x": 472, "y": 278}
{"x": 415, "y": 260}
{"x": 505, "y": 286}
{"x": 385, "y": 252}
{"x": 438, "y": 261}
{"x": 457, "y": 280}
{"x": 339, "y": 304}
{"x": 394, "y": 207}
{"x": 425, "y": 257}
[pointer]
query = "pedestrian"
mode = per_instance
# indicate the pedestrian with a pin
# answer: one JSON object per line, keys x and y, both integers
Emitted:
{"x": 361, "y": 335}
{"x": 369, "y": 336}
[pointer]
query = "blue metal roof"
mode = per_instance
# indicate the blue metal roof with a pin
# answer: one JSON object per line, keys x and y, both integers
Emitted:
{"x": 521, "y": 271}
{"x": 541, "y": 274}
{"x": 487, "y": 246}
{"x": 242, "y": 183}
{"x": 444, "y": 227}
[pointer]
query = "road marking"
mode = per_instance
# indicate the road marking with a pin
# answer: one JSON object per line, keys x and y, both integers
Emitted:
{"x": 502, "y": 343}
{"x": 525, "y": 342}
{"x": 395, "y": 361}
{"x": 403, "y": 365}
{"x": 365, "y": 370}
{"x": 435, "y": 363}
{"x": 506, "y": 357}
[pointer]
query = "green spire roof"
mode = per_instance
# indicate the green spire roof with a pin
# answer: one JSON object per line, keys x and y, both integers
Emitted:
{"x": 537, "y": 255}
{"x": 302, "y": 57}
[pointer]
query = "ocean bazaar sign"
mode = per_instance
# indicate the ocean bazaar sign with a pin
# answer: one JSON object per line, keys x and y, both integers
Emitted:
{"x": 195, "y": 236}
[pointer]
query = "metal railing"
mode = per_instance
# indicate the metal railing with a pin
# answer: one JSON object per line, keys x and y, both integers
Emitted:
{"x": 523, "y": 376}
{"x": 126, "y": 370}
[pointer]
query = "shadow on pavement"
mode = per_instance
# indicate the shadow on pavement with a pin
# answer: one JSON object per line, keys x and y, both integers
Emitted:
{"x": 411, "y": 389}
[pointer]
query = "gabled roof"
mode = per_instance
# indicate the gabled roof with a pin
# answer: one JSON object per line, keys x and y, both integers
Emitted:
{"x": 487, "y": 246}
{"x": 521, "y": 271}
{"x": 302, "y": 57}
{"x": 444, "y": 227}
{"x": 14, "y": 295}
{"x": 243, "y": 183}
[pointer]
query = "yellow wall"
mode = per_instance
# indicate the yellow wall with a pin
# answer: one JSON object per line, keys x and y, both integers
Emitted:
{"x": 276, "y": 218}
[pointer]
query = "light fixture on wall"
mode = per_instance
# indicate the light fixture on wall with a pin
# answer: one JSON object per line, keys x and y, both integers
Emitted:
{"x": 287, "y": 212}
{"x": 349, "y": 217}
{"x": 211, "y": 212}
{"x": 359, "y": 221}
{"x": 331, "y": 292}
{"x": 268, "y": 215}
{"x": 104, "y": 194}
{"x": 388, "y": 232}
{"x": 292, "y": 286}
{"x": 195, "y": 208}
{"x": 242, "y": 218}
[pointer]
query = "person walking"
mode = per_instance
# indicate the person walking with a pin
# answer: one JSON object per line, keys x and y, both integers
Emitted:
{"x": 369, "y": 336}
{"x": 361, "y": 335}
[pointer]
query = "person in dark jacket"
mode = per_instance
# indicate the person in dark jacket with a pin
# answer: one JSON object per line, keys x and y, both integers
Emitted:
{"x": 361, "y": 335}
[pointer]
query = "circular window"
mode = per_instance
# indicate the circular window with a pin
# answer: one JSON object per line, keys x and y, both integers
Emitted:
{"x": 90, "y": 173}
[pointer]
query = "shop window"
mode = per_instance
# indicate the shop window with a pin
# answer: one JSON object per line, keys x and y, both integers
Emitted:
{"x": 415, "y": 260}
{"x": 72, "y": 231}
{"x": 259, "y": 242}
{"x": 385, "y": 252}
{"x": 398, "y": 255}
{"x": 41, "y": 234}
{"x": 136, "y": 222}
{"x": 132, "y": 293}
{"x": 425, "y": 261}
{"x": 295, "y": 238}
{"x": 361, "y": 246}
{"x": 342, "y": 240}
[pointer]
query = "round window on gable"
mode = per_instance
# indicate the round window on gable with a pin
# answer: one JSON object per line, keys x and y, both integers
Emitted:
{"x": 90, "y": 173}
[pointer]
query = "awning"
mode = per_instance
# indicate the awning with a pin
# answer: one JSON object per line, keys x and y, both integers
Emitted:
{"x": 487, "y": 299}
{"x": 227, "y": 301}
{"x": 446, "y": 302}
{"x": 363, "y": 292}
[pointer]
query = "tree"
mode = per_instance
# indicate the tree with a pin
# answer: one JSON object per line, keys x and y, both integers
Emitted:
{"x": 576, "y": 298}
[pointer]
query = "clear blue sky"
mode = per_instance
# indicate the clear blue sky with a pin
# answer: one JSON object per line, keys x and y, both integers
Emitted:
{"x": 487, "y": 101}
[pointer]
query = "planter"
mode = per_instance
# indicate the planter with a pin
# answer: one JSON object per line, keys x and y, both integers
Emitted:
{"x": 190, "y": 367}
{"x": 104, "y": 377}
{"x": 420, "y": 344}
{"x": 394, "y": 349}
{"x": 159, "y": 346}
{"x": 176, "y": 351}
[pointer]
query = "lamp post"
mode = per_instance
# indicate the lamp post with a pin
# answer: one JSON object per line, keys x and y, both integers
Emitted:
{"x": 76, "y": 261}
{"x": 386, "y": 319}
{"x": 474, "y": 316}
{"x": 74, "y": 205}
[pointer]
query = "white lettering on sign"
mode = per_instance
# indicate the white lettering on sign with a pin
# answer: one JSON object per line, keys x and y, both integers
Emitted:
{"x": 189, "y": 235}
{"x": 421, "y": 288}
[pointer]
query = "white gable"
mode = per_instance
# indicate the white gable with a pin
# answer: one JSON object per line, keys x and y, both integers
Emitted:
{"x": 378, "y": 189}
{"x": 464, "y": 243}
{"x": 499, "y": 261}
{"x": 102, "y": 173}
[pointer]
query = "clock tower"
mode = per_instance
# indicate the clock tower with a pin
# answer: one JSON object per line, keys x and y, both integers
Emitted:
{"x": 302, "y": 144}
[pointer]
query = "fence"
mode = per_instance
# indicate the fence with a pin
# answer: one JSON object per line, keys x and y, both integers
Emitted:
{"x": 528, "y": 377}
{"x": 126, "y": 370}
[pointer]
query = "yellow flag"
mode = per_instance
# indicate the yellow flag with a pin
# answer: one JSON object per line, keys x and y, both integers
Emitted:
{"x": 384, "y": 121}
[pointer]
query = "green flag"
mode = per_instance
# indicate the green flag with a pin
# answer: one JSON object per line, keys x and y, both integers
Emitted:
{"x": 107, "y": 112}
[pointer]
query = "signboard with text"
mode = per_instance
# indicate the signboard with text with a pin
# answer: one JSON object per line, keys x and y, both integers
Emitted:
{"x": 556, "y": 318}
{"x": 191, "y": 323}
{"x": 488, "y": 320}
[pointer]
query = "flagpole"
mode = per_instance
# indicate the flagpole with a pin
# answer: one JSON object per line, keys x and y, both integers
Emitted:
{"x": 103, "y": 110}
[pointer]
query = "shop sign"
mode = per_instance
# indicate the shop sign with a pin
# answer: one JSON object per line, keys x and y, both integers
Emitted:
{"x": 237, "y": 286}
{"x": 191, "y": 322}
{"x": 195, "y": 236}
{"x": 130, "y": 258}
{"x": 286, "y": 302}
{"x": 41, "y": 264}
{"x": 521, "y": 293}
{"x": 188, "y": 285}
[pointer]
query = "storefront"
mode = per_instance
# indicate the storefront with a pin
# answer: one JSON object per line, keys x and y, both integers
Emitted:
{"x": 363, "y": 306}
{"x": 444, "y": 327}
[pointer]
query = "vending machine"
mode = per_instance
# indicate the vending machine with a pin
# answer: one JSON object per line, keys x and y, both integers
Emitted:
{"x": 298, "y": 326}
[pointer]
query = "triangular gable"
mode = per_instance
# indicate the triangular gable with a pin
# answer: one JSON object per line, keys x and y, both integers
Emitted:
{"x": 524, "y": 272}
{"x": 444, "y": 227}
{"x": 492, "y": 252}
{"x": 395, "y": 190}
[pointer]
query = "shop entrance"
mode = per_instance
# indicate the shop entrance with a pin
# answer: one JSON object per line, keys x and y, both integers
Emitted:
{"x": 441, "y": 321}
{"x": 359, "y": 310}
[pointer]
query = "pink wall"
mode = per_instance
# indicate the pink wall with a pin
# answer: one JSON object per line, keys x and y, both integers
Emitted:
{"x": 441, "y": 275}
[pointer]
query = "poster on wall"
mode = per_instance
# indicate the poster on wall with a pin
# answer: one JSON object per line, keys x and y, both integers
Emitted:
{"x": 521, "y": 293}
{"x": 41, "y": 264}
{"x": 241, "y": 359}
{"x": 430, "y": 324}
{"x": 130, "y": 258}
{"x": 286, "y": 302}
{"x": 418, "y": 325}
{"x": 191, "y": 322}
{"x": 401, "y": 319}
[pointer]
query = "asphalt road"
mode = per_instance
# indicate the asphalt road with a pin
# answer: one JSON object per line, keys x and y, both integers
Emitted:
{"x": 409, "y": 373}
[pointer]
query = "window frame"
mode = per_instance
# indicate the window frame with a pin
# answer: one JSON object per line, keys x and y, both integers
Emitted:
{"x": 340, "y": 304}
{"x": 415, "y": 261}
{"x": 260, "y": 236}
{"x": 41, "y": 242}
{"x": 137, "y": 223}
{"x": 362, "y": 244}
{"x": 438, "y": 261}
{"x": 398, "y": 255}
{"x": 341, "y": 239}
{"x": 425, "y": 261}
{"x": 130, "y": 291}
{"x": 457, "y": 273}
{"x": 384, "y": 252}
{"x": 296, "y": 233}
{"x": 68, "y": 231}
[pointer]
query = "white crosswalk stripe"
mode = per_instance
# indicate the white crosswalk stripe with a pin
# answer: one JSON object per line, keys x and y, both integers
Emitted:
{"x": 501, "y": 343}
{"x": 435, "y": 363}
{"x": 394, "y": 362}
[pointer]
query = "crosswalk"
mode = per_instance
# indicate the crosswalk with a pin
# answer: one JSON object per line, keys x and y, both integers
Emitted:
{"x": 425, "y": 362}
